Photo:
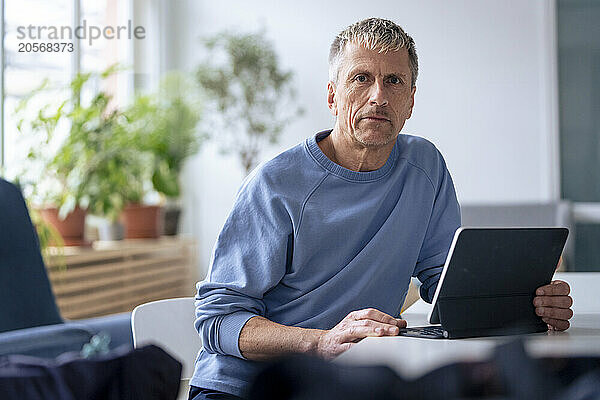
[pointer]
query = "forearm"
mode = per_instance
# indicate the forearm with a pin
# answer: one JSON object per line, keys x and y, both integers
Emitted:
{"x": 261, "y": 339}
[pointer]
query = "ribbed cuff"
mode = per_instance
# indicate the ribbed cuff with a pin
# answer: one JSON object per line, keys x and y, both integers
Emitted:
{"x": 229, "y": 332}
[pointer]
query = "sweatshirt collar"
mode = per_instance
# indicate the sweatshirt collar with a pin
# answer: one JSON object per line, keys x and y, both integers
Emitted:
{"x": 321, "y": 158}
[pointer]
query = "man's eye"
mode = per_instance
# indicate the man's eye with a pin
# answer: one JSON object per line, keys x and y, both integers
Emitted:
{"x": 360, "y": 78}
{"x": 394, "y": 80}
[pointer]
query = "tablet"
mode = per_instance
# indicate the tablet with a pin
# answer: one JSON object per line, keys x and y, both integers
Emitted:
{"x": 490, "y": 277}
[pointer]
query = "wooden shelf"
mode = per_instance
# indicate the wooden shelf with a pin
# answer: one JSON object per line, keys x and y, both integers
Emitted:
{"x": 113, "y": 277}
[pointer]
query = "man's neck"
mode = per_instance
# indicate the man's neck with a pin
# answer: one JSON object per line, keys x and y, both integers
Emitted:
{"x": 352, "y": 155}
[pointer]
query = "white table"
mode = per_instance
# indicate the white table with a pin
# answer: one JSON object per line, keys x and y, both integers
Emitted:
{"x": 412, "y": 357}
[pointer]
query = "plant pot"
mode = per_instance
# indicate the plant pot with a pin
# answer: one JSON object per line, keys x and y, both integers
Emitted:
{"x": 71, "y": 228}
{"x": 142, "y": 222}
{"x": 171, "y": 223}
{"x": 109, "y": 231}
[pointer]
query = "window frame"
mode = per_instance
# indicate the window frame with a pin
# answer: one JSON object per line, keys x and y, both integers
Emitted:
{"x": 75, "y": 67}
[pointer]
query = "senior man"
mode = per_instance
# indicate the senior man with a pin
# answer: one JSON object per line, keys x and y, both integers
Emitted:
{"x": 322, "y": 241}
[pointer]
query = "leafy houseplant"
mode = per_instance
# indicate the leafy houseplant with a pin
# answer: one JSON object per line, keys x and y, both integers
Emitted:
{"x": 166, "y": 126}
{"x": 61, "y": 184}
{"x": 253, "y": 98}
{"x": 96, "y": 166}
{"x": 119, "y": 177}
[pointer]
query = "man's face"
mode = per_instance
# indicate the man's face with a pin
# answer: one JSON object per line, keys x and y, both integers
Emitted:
{"x": 373, "y": 96}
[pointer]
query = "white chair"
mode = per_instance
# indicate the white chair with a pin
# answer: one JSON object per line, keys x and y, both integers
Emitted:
{"x": 169, "y": 324}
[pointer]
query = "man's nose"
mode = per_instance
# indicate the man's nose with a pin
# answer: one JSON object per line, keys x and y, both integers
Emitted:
{"x": 378, "y": 95}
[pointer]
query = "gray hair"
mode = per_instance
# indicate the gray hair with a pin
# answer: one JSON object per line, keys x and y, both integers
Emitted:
{"x": 377, "y": 34}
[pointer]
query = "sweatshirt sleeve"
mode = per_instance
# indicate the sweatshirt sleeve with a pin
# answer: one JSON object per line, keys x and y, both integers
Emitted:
{"x": 444, "y": 221}
{"x": 248, "y": 259}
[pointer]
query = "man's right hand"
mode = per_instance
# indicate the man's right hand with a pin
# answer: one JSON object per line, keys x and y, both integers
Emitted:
{"x": 354, "y": 327}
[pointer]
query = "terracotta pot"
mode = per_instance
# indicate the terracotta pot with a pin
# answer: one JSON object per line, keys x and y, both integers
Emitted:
{"x": 71, "y": 228}
{"x": 142, "y": 222}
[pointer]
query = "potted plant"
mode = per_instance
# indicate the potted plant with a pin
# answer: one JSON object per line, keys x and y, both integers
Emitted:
{"x": 117, "y": 182}
{"x": 58, "y": 131}
{"x": 251, "y": 96}
{"x": 96, "y": 166}
{"x": 166, "y": 126}
{"x": 118, "y": 178}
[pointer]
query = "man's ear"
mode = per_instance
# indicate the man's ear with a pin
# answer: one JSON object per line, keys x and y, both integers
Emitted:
{"x": 331, "y": 100}
{"x": 412, "y": 101}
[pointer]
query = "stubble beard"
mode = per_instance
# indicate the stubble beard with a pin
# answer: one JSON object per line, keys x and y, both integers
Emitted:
{"x": 374, "y": 140}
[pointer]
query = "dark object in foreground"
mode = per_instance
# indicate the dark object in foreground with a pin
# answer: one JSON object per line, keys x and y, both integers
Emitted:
{"x": 146, "y": 373}
{"x": 30, "y": 322}
{"x": 510, "y": 374}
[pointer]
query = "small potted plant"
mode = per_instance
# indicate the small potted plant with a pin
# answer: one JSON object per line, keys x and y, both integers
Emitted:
{"x": 96, "y": 165}
{"x": 59, "y": 131}
{"x": 118, "y": 180}
{"x": 166, "y": 126}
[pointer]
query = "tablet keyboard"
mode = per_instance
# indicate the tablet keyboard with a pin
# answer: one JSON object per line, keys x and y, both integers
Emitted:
{"x": 431, "y": 332}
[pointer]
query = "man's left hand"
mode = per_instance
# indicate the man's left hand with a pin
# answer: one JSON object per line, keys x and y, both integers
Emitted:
{"x": 553, "y": 303}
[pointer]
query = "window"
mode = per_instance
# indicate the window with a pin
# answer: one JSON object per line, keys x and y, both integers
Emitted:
{"x": 28, "y": 21}
{"x": 24, "y": 71}
{"x": 579, "y": 98}
{"x": 98, "y": 55}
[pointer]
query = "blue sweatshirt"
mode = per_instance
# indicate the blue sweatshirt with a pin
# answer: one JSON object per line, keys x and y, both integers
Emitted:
{"x": 308, "y": 241}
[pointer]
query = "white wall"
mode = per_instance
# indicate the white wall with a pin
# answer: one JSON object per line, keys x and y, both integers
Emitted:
{"x": 485, "y": 95}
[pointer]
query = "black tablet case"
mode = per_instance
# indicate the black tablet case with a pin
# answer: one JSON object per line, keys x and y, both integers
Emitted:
{"x": 491, "y": 280}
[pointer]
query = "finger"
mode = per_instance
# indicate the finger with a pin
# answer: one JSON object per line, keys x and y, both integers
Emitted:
{"x": 553, "y": 301}
{"x": 374, "y": 314}
{"x": 557, "y": 324}
{"x": 374, "y": 324}
{"x": 352, "y": 335}
{"x": 400, "y": 323}
{"x": 554, "y": 313}
{"x": 358, "y": 332}
{"x": 555, "y": 288}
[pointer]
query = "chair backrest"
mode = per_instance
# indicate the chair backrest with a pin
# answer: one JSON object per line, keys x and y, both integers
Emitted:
{"x": 25, "y": 292}
{"x": 169, "y": 324}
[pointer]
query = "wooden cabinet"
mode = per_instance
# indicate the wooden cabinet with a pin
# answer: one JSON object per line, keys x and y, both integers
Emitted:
{"x": 113, "y": 277}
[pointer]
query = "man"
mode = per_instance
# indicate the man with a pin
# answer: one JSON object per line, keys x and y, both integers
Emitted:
{"x": 322, "y": 241}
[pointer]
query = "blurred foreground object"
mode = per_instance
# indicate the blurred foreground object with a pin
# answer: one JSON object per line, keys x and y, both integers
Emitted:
{"x": 146, "y": 373}
{"x": 509, "y": 374}
{"x": 30, "y": 322}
